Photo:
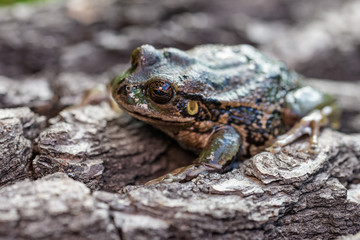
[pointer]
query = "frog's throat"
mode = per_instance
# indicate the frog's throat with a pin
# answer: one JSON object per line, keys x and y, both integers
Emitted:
{"x": 161, "y": 120}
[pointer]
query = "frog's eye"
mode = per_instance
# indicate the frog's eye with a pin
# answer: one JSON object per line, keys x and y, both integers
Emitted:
{"x": 160, "y": 92}
{"x": 192, "y": 107}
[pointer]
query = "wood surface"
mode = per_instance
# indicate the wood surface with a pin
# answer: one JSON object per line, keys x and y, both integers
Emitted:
{"x": 77, "y": 172}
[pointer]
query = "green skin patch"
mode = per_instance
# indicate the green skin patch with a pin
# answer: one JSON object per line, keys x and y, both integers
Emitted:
{"x": 116, "y": 81}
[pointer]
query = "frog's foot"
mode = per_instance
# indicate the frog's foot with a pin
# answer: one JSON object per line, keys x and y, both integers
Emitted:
{"x": 186, "y": 173}
{"x": 310, "y": 124}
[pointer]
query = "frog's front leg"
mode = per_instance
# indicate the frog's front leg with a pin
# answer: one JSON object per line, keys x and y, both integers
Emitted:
{"x": 222, "y": 149}
{"x": 316, "y": 110}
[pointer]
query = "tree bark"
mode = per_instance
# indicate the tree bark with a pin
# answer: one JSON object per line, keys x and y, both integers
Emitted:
{"x": 290, "y": 195}
{"x": 78, "y": 172}
{"x": 18, "y": 128}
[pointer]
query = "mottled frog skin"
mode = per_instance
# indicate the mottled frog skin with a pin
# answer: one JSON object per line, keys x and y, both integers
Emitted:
{"x": 223, "y": 102}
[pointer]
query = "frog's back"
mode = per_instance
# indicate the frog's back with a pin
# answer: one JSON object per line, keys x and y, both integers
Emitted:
{"x": 250, "y": 89}
{"x": 240, "y": 74}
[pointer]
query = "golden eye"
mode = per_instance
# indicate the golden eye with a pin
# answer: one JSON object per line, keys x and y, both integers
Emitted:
{"x": 192, "y": 107}
{"x": 160, "y": 92}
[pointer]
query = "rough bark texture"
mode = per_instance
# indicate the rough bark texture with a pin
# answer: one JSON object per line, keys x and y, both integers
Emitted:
{"x": 291, "y": 195}
{"x": 18, "y": 128}
{"x": 77, "y": 172}
{"x": 55, "y": 207}
{"x": 103, "y": 149}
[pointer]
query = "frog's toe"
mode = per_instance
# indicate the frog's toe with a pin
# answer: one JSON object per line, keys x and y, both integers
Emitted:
{"x": 173, "y": 178}
{"x": 162, "y": 179}
{"x": 275, "y": 148}
{"x": 152, "y": 182}
{"x": 314, "y": 148}
{"x": 176, "y": 175}
{"x": 184, "y": 173}
{"x": 168, "y": 178}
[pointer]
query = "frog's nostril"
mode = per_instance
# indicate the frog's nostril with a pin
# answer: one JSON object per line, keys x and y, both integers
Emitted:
{"x": 123, "y": 90}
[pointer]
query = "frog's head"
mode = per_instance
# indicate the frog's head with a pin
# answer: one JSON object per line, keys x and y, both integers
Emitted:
{"x": 159, "y": 87}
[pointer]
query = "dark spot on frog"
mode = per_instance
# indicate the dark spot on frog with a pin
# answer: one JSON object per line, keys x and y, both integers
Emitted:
{"x": 183, "y": 78}
{"x": 197, "y": 97}
{"x": 181, "y": 107}
{"x": 214, "y": 81}
{"x": 202, "y": 115}
{"x": 215, "y": 113}
{"x": 123, "y": 90}
{"x": 227, "y": 81}
{"x": 167, "y": 54}
{"x": 274, "y": 120}
{"x": 258, "y": 101}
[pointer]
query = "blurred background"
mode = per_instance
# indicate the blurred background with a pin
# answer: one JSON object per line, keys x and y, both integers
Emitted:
{"x": 51, "y": 51}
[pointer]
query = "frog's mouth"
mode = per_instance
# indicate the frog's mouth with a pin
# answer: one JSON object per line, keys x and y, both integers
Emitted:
{"x": 157, "y": 119}
{"x": 154, "y": 115}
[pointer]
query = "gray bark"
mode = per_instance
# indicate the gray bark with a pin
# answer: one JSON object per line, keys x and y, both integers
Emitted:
{"x": 18, "y": 128}
{"x": 290, "y": 195}
{"x": 55, "y": 207}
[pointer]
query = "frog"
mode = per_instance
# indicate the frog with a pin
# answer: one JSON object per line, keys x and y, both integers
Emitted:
{"x": 225, "y": 103}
